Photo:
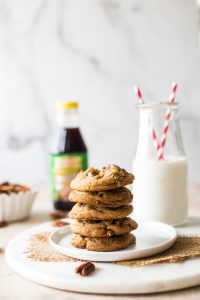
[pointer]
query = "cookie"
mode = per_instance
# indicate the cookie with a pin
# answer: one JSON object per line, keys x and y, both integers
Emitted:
{"x": 106, "y": 228}
{"x": 104, "y": 243}
{"x": 112, "y": 198}
{"x": 108, "y": 178}
{"x": 82, "y": 211}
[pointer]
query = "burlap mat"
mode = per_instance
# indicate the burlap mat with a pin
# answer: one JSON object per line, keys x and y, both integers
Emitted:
{"x": 39, "y": 249}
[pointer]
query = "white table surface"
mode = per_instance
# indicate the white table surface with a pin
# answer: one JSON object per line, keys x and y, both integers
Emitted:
{"x": 14, "y": 287}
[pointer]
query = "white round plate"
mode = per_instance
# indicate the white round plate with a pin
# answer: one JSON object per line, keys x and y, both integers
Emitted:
{"x": 108, "y": 278}
{"x": 151, "y": 238}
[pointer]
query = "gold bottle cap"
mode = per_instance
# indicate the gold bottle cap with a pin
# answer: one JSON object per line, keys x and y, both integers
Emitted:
{"x": 62, "y": 105}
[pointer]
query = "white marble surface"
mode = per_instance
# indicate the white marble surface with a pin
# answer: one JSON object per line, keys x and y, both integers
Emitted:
{"x": 92, "y": 51}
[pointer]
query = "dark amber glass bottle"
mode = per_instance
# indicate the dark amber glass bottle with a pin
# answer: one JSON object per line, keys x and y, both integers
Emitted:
{"x": 69, "y": 154}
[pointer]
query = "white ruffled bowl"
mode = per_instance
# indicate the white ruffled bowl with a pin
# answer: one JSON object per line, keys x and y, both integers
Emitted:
{"x": 16, "y": 206}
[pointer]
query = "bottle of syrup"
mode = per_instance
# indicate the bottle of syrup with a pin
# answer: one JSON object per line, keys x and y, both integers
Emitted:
{"x": 69, "y": 155}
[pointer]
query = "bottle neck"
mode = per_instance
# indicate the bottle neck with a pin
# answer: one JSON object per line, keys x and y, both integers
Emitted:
{"x": 142, "y": 150}
{"x": 67, "y": 118}
{"x": 152, "y": 121}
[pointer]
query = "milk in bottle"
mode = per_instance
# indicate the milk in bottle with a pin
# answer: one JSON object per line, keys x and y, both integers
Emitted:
{"x": 160, "y": 186}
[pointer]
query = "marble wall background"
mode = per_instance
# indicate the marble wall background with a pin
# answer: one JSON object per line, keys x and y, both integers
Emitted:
{"x": 92, "y": 51}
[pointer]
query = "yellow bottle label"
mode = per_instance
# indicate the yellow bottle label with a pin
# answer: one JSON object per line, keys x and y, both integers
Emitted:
{"x": 64, "y": 167}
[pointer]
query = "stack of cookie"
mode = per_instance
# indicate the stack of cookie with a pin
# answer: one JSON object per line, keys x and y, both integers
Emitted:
{"x": 102, "y": 209}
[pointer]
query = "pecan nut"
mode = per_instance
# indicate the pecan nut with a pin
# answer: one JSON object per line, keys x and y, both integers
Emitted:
{"x": 59, "y": 223}
{"x": 3, "y": 224}
{"x": 7, "y": 188}
{"x": 85, "y": 269}
{"x": 58, "y": 215}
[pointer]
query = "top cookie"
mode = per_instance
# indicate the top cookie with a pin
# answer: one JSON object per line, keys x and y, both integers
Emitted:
{"x": 109, "y": 177}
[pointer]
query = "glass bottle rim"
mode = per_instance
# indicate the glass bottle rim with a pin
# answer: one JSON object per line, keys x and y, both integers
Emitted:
{"x": 158, "y": 105}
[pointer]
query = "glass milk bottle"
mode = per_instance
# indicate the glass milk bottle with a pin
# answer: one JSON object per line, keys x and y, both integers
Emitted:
{"x": 160, "y": 165}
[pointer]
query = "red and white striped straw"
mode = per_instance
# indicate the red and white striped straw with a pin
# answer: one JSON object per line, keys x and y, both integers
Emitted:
{"x": 173, "y": 93}
{"x": 167, "y": 121}
{"x": 141, "y": 101}
{"x": 138, "y": 94}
